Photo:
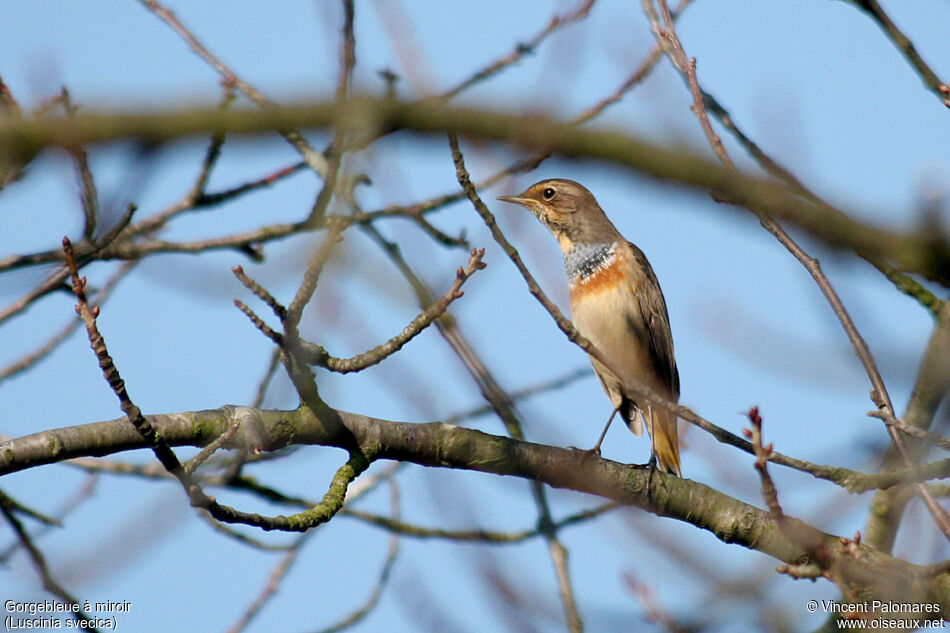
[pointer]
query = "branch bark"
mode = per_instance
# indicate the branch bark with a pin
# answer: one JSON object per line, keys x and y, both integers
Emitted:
{"x": 923, "y": 250}
{"x": 875, "y": 574}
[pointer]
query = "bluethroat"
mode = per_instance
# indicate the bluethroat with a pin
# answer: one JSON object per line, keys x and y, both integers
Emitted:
{"x": 617, "y": 304}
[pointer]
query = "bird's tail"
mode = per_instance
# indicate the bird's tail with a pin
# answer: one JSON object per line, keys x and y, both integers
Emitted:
{"x": 665, "y": 438}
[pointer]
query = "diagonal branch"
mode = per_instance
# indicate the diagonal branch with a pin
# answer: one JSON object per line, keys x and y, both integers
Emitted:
{"x": 903, "y": 282}
{"x": 315, "y": 159}
{"x": 906, "y": 47}
{"x": 7, "y": 508}
{"x": 522, "y": 49}
{"x": 317, "y": 355}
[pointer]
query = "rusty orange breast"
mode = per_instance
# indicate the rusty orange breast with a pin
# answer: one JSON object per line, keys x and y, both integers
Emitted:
{"x": 606, "y": 276}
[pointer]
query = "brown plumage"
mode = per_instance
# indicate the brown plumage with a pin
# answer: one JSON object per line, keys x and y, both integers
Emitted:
{"x": 617, "y": 304}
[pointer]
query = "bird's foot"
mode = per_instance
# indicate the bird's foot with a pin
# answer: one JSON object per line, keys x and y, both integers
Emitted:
{"x": 652, "y": 466}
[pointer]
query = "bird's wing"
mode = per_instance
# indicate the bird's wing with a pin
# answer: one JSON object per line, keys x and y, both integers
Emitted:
{"x": 658, "y": 337}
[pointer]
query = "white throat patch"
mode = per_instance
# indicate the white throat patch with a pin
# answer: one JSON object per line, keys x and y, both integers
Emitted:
{"x": 583, "y": 260}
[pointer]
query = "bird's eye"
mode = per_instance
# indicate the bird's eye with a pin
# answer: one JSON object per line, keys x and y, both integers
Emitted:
{"x": 548, "y": 193}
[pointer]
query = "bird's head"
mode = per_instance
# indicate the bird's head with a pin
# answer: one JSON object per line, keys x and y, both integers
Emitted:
{"x": 568, "y": 209}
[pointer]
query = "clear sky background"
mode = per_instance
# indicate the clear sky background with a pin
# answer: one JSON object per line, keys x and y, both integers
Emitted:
{"x": 814, "y": 82}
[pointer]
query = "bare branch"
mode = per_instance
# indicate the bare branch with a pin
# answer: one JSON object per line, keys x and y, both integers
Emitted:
{"x": 544, "y": 387}
{"x": 930, "y": 389}
{"x": 109, "y": 371}
{"x": 273, "y": 584}
{"x": 905, "y": 46}
{"x": 440, "y": 445}
{"x": 32, "y": 358}
{"x": 373, "y": 599}
{"x": 260, "y": 292}
{"x": 924, "y": 251}
{"x": 769, "y": 492}
{"x": 478, "y": 536}
{"x": 317, "y": 355}
{"x": 315, "y": 159}
{"x": 669, "y": 41}
{"x": 643, "y": 592}
{"x": 905, "y": 283}
{"x": 522, "y": 49}
{"x": 8, "y": 508}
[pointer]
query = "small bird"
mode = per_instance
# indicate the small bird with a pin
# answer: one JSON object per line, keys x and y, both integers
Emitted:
{"x": 617, "y": 304}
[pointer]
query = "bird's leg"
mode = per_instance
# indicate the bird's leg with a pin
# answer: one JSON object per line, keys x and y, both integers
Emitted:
{"x": 651, "y": 466}
{"x": 648, "y": 422}
{"x": 603, "y": 434}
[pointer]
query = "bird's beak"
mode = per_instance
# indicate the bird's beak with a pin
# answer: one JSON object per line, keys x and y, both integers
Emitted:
{"x": 516, "y": 199}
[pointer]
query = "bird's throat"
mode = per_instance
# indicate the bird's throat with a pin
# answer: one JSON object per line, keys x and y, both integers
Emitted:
{"x": 584, "y": 261}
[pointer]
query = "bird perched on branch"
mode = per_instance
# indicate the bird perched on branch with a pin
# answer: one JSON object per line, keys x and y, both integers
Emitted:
{"x": 617, "y": 304}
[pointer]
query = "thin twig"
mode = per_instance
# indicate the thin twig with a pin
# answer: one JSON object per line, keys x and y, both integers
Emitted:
{"x": 930, "y": 390}
{"x": 556, "y": 549}
{"x": 280, "y": 571}
{"x": 88, "y": 197}
{"x": 10, "y": 170}
{"x": 521, "y": 394}
{"x": 7, "y": 508}
{"x": 655, "y": 613}
{"x": 317, "y": 355}
{"x": 209, "y": 450}
{"x": 72, "y": 502}
{"x": 417, "y": 210}
{"x": 259, "y": 323}
{"x": 669, "y": 41}
{"x": 304, "y": 521}
{"x": 769, "y": 492}
{"x": 315, "y": 159}
{"x": 55, "y": 281}
{"x": 928, "y": 436}
{"x": 265, "y": 381}
{"x": 273, "y": 584}
{"x": 500, "y": 402}
{"x": 906, "y": 46}
{"x": 260, "y": 292}
{"x": 903, "y": 282}
{"x": 16, "y": 507}
{"x": 294, "y": 357}
{"x": 522, "y": 49}
{"x": 367, "y": 607}
{"x": 204, "y": 200}
{"x": 918, "y": 251}
{"x": 478, "y": 536}
{"x": 32, "y": 358}
{"x": 212, "y": 154}
{"x": 315, "y": 267}
{"x": 233, "y": 534}
{"x": 111, "y": 373}
{"x": 322, "y": 512}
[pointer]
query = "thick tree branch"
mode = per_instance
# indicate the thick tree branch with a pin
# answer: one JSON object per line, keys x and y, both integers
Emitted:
{"x": 440, "y": 445}
{"x": 924, "y": 250}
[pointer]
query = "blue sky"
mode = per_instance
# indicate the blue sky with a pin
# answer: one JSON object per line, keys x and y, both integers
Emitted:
{"x": 815, "y": 83}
